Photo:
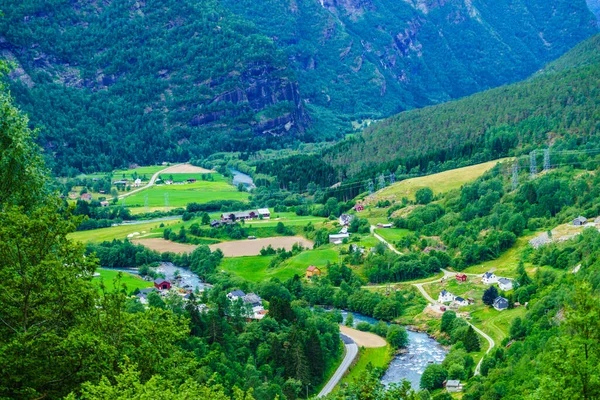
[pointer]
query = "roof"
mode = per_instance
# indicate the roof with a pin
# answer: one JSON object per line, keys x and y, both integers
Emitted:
{"x": 504, "y": 281}
{"x": 453, "y": 383}
{"x": 488, "y": 274}
{"x": 237, "y": 293}
{"x": 500, "y": 302}
{"x": 580, "y": 219}
{"x": 339, "y": 236}
{"x": 160, "y": 281}
{"x": 252, "y": 298}
{"x": 444, "y": 292}
{"x": 263, "y": 211}
{"x": 311, "y": 268}
{"x": 460, "y": 299}
{"x": 147, "y": 290}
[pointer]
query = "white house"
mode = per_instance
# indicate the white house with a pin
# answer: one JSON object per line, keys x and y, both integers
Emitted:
{"x": 453, "y": 386}
{"x": 236, "y": 294}
{"x": 489, "y": 278}
{"x": 345, "y": 219}
{"x": 505, "y": 284}
{"x": 137, "y": 182}
{"x": 460, "y": 302}
{"x": 445, "y": 297}
{"x": 500, "y": 303}
{"x": 337, "y": 239}
{"x": 264, "y": 212}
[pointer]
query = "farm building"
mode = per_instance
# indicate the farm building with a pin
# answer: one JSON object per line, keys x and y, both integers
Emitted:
{"x": 500, "y": 303}
{"x": 86, "y": 197}
{"x": 489, "y": 277}
{"x": 505, "y": 284}
{"x": 461, "y": 277}
{"x": 137, "y": 182}
{"x": 104, "y": 203}
{"x": 215, "y": 224}
{"x": 579, "y": 221}
{"x": 359, "y": 208}
{"x": 264, "y": 212}
{"x": 453, "y": 386}
{"x": 142, "y": 295}
{"x": 338, "y": 238}
{"x": 312, "y": 271}
{"x": 385, "y": 226}
{"x": 191, "y": 180}
{"x": 162, "y": 284}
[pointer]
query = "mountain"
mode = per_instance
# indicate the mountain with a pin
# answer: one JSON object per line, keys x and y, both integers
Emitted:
{"x": 142, "y": 81}
{"x": 594, "y": 6}
{"x": 558, "y": 104}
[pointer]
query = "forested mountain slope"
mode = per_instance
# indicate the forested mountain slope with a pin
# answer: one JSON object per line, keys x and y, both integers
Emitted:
{"x": 562, "y": 102}
{"x": 110, "y": 83}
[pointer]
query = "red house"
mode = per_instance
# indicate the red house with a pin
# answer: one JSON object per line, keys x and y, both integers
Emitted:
{"x": 162, "y": 284}
{"x": 359, "y": 207}
{"x": 461, "y": 277}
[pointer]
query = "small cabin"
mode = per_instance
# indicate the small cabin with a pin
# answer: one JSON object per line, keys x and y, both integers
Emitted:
{"x": 162, "y": 284}
{"x": 312, "y": 271}
{"x": 461, "y": 277}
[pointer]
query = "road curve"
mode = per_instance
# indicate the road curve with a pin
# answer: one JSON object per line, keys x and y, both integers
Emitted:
{"x": 491, "y": 342}
{"x": 150, "y": 183}
{"x": 351, "y": 353}
{"x": 382, "y": 240}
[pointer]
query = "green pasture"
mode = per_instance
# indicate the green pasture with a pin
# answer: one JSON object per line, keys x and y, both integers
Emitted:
{"x": 147, "y": 170}
{"x": 151, "y": 229}
{"x": 496, "y": 323}
{"x": 131, "y": 281}
{"x": 392, "y": 235}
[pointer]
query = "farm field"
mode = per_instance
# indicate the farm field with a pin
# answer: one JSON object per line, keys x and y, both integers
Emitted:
{"x": 439, "y": 183}
{"x": 121, "y": 232}
{"x": 496, "y": 323}
{"x": 181, "y": 195}
{"x": 241, "y": 248}
{"x": 256, "y": 268}
{"x": 378, "y": 357}
{"x": 165, "y": 246}
{"x": 392, "y": 234}
{"x": 131, "y": 281}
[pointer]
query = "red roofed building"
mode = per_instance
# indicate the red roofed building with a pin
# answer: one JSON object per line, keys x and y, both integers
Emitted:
{"x": 312, "y": 271}
{"x": 359, "y": 207}
{"x": 162, "y": 284}
{"x": 461, "y": 277}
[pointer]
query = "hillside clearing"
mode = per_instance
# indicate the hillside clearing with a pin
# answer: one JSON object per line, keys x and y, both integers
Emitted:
{"x": 440, "y": 183}
{"x": 165, "y": 246}
{"x": 121, "y": 231}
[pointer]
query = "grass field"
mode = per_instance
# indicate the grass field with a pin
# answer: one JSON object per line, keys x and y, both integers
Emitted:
{"x": 505, "y": 265}
{"x": 496, "y": 323}
{"x": 148, "y": 171}
{"x": 439, "y": 183}
{"x": 256, "y": 268}
{"x": 392, "y": 234}
{"x": 378, "y": 357}
{"x": 181, "y": 195}
{"x": 151, "y": 229}
{"x": 130, "y": 280}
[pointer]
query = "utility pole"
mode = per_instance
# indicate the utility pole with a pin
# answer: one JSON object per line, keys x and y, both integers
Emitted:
{"x": 532, "y": 166}
{"x": 546, "y": 159}
{"x": 515, "y": 175}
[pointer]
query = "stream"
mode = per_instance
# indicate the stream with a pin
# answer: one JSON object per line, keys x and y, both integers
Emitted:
{"x": 244, "y": 179}
{"x": 422, "y": 351}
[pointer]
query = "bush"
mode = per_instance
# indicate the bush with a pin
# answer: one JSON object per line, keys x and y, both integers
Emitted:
{"x": 364, "y": 326}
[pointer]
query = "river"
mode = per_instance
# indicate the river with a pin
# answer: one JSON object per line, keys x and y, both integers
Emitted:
{"x": 422, "y": 351}
{"x": 244, "y": 179}
{"x": 188, "y": 280}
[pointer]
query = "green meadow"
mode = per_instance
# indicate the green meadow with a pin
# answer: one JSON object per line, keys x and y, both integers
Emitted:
{"x": 392, "y": 234}
{"x": 181, "y": 195}
{"x": 131, "y": 281}
{"x": 147, "y": 170}
{"x": 151, "y": 229}
{"x": 256, "y": 268}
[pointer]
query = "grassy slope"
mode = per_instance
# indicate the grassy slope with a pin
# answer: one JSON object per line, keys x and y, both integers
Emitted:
{"x": 440, "y": 183}
{"x": 378, "y": 357}
{"x": 392, "y": 234}
{"x": 256, "y": 268}
{"x": 131, "y": 281}
{"x": 181, "y": 195}
{"x": 119, "y": 232}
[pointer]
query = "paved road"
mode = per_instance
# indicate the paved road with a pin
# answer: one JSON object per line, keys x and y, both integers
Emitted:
{"x": 382, "y": 240}
{"x": 150, "y": 183}
{"x": 491, "y": 342}
{"x": 351, "y": 353}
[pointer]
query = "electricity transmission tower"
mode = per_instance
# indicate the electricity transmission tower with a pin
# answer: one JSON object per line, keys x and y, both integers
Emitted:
{"x": 515, "y": 175}
{"x": 546, "y": 159}
{"x": 532, "y": 166}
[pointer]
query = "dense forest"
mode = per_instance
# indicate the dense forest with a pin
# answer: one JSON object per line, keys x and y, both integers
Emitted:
{"x": 144, "y": 82}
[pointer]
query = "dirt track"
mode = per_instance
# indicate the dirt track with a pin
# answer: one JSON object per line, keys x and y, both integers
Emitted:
{"x": 162, "y": 245}
{"x": 363, "y": 339}
{"x": 186, "y": 169}
{"x": 240, "y": 248}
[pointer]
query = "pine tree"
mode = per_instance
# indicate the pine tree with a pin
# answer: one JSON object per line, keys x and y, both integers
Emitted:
{"x": 314, "y": 355}
{"x": 490, "y": 295}
{"x": 471, "y": 340}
